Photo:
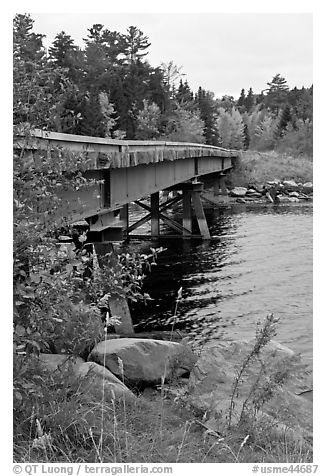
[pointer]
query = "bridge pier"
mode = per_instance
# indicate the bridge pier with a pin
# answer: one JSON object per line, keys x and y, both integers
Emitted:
{"x": 187, "y": 213}
{"x": 155, "y": 214}
{"x": 219, "y": 185}
{"x": 124, "y": 218}
{"x": 190, "y": 197}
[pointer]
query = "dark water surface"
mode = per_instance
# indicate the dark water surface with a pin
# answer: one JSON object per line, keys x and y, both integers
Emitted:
{"x": 262, "y": 265}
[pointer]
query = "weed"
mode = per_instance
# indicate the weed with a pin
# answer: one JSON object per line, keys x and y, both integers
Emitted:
{"x": 264, "y": 334}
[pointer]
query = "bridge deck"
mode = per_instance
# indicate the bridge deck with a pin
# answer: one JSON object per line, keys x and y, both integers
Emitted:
{"x": 110, "y": 153}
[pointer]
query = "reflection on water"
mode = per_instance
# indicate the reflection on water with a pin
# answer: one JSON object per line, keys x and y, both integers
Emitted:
{"x": 263, "y": 264}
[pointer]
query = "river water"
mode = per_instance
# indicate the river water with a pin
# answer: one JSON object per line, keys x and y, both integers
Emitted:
{"x": 259, "y": 262}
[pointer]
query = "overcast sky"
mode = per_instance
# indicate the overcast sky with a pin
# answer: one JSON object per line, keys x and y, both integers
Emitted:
{"x": 220, "y": 52}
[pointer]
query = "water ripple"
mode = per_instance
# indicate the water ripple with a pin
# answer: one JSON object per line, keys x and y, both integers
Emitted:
{"x": 229, "y": 284}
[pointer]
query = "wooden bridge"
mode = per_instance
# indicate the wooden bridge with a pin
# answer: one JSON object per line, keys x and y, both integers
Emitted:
{"x": 130, "y": 171}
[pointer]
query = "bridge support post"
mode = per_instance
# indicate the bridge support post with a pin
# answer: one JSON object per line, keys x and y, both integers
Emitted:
{"x": 124, "y": 217}
{"x": 155, "y": 218}
{"x": 200, "y": 215}
{"x": 187, "y": 212}
{"x": 219, "y": 185}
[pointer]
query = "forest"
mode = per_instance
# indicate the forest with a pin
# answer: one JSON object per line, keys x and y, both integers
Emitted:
{"x": 109, "y": 89}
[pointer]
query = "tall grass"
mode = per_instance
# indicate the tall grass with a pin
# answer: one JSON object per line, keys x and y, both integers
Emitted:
{"x": 258, "y": 167}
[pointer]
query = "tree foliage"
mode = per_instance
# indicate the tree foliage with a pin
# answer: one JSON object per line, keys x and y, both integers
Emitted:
{"x": 57, "y": 287}
{"x": 107, "y": 88}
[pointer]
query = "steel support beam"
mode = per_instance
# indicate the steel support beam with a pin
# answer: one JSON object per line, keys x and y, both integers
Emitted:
{"x": 200, "y": 215}
{"x": 187, "y": 212}
{"x": 155, "y": 213}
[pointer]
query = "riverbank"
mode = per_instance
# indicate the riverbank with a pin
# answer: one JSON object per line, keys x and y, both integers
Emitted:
{"x": 216, "y": 406}
{"x": 259, "y": 167}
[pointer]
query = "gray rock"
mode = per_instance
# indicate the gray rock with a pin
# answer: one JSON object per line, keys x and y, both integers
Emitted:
{"x": 144, "y": 360}
{"x": 272, "y": 183}
{"x": 290, "y": 185}
{"x": 253, "y": 193}
{"x": 307, "y": 187}
{"x": 284, "y": 198}
{"x": 294, "y": 194}
{"x": 238, "y": 192}
{"x": 212, "y": 380}
{"x": 94, "y": 379}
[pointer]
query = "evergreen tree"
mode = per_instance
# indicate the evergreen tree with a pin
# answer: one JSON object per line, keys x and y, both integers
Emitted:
{"x": 157, "y": 91}
{"x": 184, "y": 94}
{"x": 304, "y": 105}
{"x": 28, "y": 46}
{"x": 62, "y": 47}
{"x": 249, "y": 100}
{"x": 285, "y": 119}
{"x": 136, "y": 44}
{"x": 277, "y": 93}
{"x": 241, "y": 100}
{"x": 65, "y": 54}
{"x": 204, "y": 100}
{"x": 246, "y": 137}
{"x": 93, "y": 122}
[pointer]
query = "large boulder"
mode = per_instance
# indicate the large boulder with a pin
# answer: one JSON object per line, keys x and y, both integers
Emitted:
{"x": 212, "y": 379}
{"x": 144, "y": 360}
{"x": 238, "y": 192}
{"x": 94, "y": 379}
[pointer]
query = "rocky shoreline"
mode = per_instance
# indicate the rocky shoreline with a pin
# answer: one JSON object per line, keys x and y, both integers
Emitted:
{"x": 274, "y": 191}
{"x": 126, "y": 368}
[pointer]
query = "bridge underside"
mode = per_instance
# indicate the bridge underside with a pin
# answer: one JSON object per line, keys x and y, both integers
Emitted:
{"x": 176, "y": 184}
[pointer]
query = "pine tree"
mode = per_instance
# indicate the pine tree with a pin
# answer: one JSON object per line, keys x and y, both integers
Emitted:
{"x": 136, "y": 44}
{"x": 204, "y": 101}
{"x": 277, "y": 93}
{"x": 249, "y": 100}
{"x": 184, "y": 95}
{"x": 28, "y": 46}
{"x": 157, "y": 91}
{"x": 241, "y": 100}
{"x": 246, "y": 137}
{"x": 285, "y": 119}
{"x": 93, "y": 122}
